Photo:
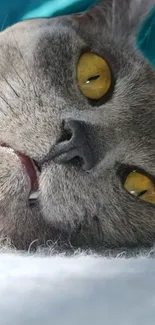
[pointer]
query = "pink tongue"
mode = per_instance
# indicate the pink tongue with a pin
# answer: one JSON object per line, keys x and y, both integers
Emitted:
{"x": 30, "y": 168}
{"x": 31, "y": 171}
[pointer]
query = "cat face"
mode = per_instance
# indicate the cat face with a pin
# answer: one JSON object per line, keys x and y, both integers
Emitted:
{"x": 84, "y": 147}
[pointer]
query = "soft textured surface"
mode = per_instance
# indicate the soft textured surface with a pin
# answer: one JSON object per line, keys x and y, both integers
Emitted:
{"x": 76, "y": 290}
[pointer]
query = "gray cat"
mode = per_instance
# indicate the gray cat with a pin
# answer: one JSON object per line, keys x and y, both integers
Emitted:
{"x": 77, "y": 128}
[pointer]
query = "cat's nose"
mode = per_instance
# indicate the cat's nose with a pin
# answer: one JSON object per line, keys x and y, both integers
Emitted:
{"x": 74, "y": 146}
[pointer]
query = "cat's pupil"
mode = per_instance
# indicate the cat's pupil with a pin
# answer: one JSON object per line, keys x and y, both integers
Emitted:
{"x": 93, "y": 78}
{"x": 142, "y": 193}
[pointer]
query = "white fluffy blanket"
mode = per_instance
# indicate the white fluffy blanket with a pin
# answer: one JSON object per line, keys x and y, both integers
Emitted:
{"x": 85, "y": 290}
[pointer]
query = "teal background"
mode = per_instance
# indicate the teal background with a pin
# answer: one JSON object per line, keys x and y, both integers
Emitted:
{"x": 146, "y": 37}
{"x": 12, "y": 11}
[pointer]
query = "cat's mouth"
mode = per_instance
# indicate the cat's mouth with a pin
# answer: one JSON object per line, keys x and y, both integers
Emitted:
{"x": 31, "y": 169}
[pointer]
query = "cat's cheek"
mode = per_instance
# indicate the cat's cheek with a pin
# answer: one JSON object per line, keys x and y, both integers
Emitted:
{"x": 14, "y": 181}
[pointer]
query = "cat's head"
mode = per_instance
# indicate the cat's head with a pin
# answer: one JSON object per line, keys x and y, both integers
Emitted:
{"x": 77, "y": 97}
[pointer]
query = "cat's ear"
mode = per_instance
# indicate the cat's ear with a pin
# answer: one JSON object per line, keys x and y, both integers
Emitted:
{"x": 100, "y": 12}
{"x": 126, "y": 13}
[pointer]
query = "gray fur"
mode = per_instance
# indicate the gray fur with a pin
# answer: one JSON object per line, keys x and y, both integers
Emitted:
{"x": 38, "y": 90}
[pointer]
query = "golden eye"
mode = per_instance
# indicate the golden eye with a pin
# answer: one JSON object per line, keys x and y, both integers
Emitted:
{"x": 140, "y": 185}
{"x": 94, "y": 76}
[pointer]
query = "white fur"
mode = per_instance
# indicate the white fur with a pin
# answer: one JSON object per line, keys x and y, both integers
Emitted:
{"x": 83, "y": 290}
